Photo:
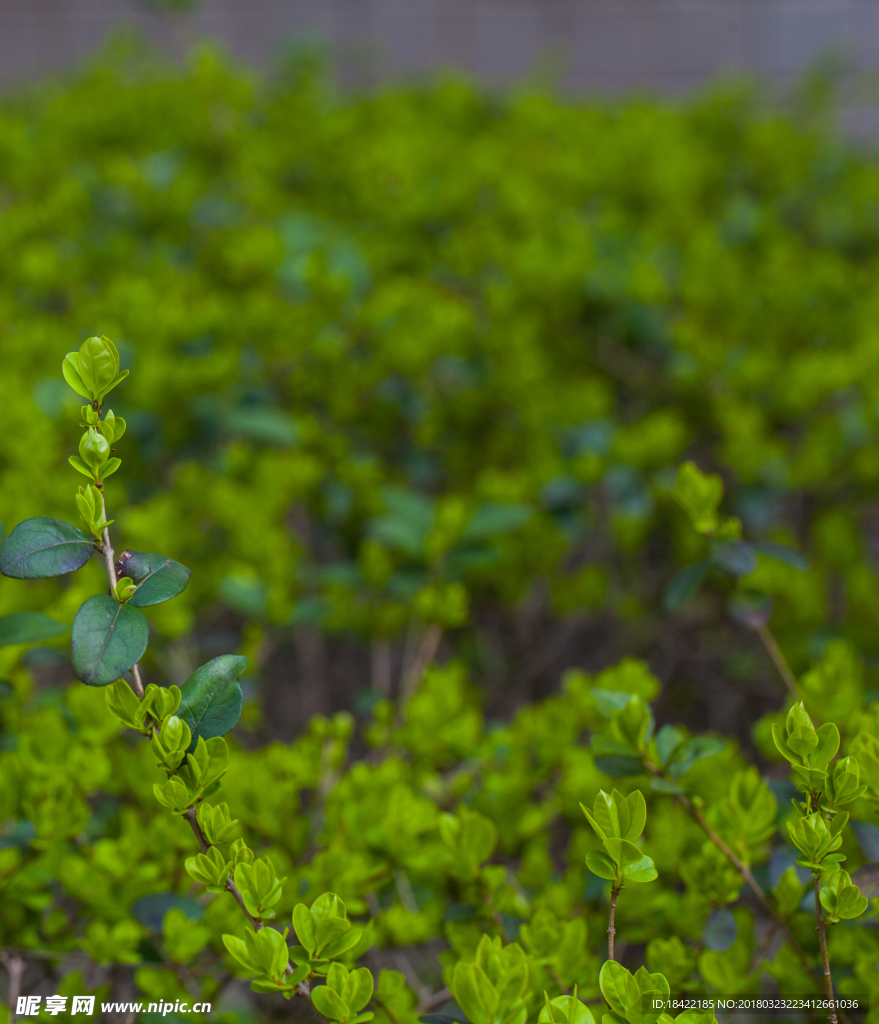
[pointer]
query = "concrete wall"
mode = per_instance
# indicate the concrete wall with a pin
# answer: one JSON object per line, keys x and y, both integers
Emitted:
{"x": 594, "y": 45}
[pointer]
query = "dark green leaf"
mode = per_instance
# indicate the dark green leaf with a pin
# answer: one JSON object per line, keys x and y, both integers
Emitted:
{"x": 408, "y": 519}
{"x": 29, "y": 628}
{"x": 735, "y": 557}
{"x": 782, "y": 553}
{"x": 211, "y": 703}
{"x": 618, "y": 766}
{"x": 108, "y": 638}
{"x": 42, "y": 547}
{"x": 494, "y": 517}
{"x": 866, "y": 878}
{"x": 687, "y": 754}
{"x": 245, "y": 594}
{"x": 150, "y": 910}
{"x": 459, "y": 912}
{"x": 665, "y": 786}
{"x": 668, "y": 739}
{"x": 683, "y": 585}
{"x": 20, "y": 836}
{"x": 720, "y": 930}
{"x": 158, "y": 578}
{"x": 266, "y": 425}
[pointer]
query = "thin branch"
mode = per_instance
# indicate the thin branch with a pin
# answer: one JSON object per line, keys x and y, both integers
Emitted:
{"x": 778, "y": 659}
{"x": 404, "y": 965}
{"x": 15, "y": 965}
{"x": 192, "y": 817}
{"x": 825, "y": 960}
{"x": 392, "y": 1017}
{"x": 380, "y": 653}
{"x": 611, "y": 927}
{"x": 437, "y": 999}
{"x": 426, "y": 653}
{"x": 138, "y": 683}
{"x": 746, "y": 874}
{"x": 255, "y": 921}
{"x": 764, "y": 946}
{"x": 110, "y": 561}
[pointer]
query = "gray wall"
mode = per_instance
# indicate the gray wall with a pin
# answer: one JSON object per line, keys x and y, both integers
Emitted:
{"x": 596, "y": 45}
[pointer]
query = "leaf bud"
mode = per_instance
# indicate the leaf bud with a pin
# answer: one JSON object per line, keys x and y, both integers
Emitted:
{"x": 216, "y": 823}
{"x": 94, "y": 450}
{"x": 176, "y": 734}
{"x": 124, "y": 589}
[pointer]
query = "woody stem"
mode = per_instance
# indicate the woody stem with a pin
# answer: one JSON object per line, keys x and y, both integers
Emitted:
{"x": 825, "y": 959}
{"x": 778, "y": 659}
{"x": 746, "y": 874}
{"x": 611, "y": 929}
{"x": 110, "y": 561}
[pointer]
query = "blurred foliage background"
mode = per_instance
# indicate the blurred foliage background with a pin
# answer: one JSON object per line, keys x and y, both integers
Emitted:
{"x": 415, "y": 370}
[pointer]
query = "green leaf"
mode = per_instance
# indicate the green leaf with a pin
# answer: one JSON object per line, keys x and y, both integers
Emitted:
{"x": 599, "y": 863}
{"x": 80, "y": 466}
{"x": 683, "y": 585}
{"x": 29, "y": 628}
{"x": 359, "y": 987}
{"x": 605, "y": 811}
{"x": 211, "y": 703}
{"x": 828, "y": 745}
{"x": 98, "y": 364}
{"x": 408, "y": 520}
{"x": 693, "y": 750}
{"x": 70, "y": 369}
{"x": 158, "y": 578}
{"x": 329, "y": 1003}
{"x": 565, "y": 1010}
{"x": 116, "y": 380}
{"x": 108, "y": 638}
{"x": 668, "y": 739}
{"x": 303, "y": 925}
{"x": 637, "y": 815}
{"x": 616, "y": 985}
{"x": 474, "y": 992}
{"x": 636, "y": 866}
{"x": 42, "y": 547}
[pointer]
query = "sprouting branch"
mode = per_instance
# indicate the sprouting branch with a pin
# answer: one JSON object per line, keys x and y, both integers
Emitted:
{"x": 822, "y": 939}
{"x": 778, "y": 659}
{"x": 192, "y": 817}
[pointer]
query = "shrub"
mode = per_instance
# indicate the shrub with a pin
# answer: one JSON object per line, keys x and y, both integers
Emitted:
{"x": 453, "y": 406}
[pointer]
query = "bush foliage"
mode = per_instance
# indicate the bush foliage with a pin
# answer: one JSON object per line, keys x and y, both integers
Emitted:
{"x": 419, "y": 385}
